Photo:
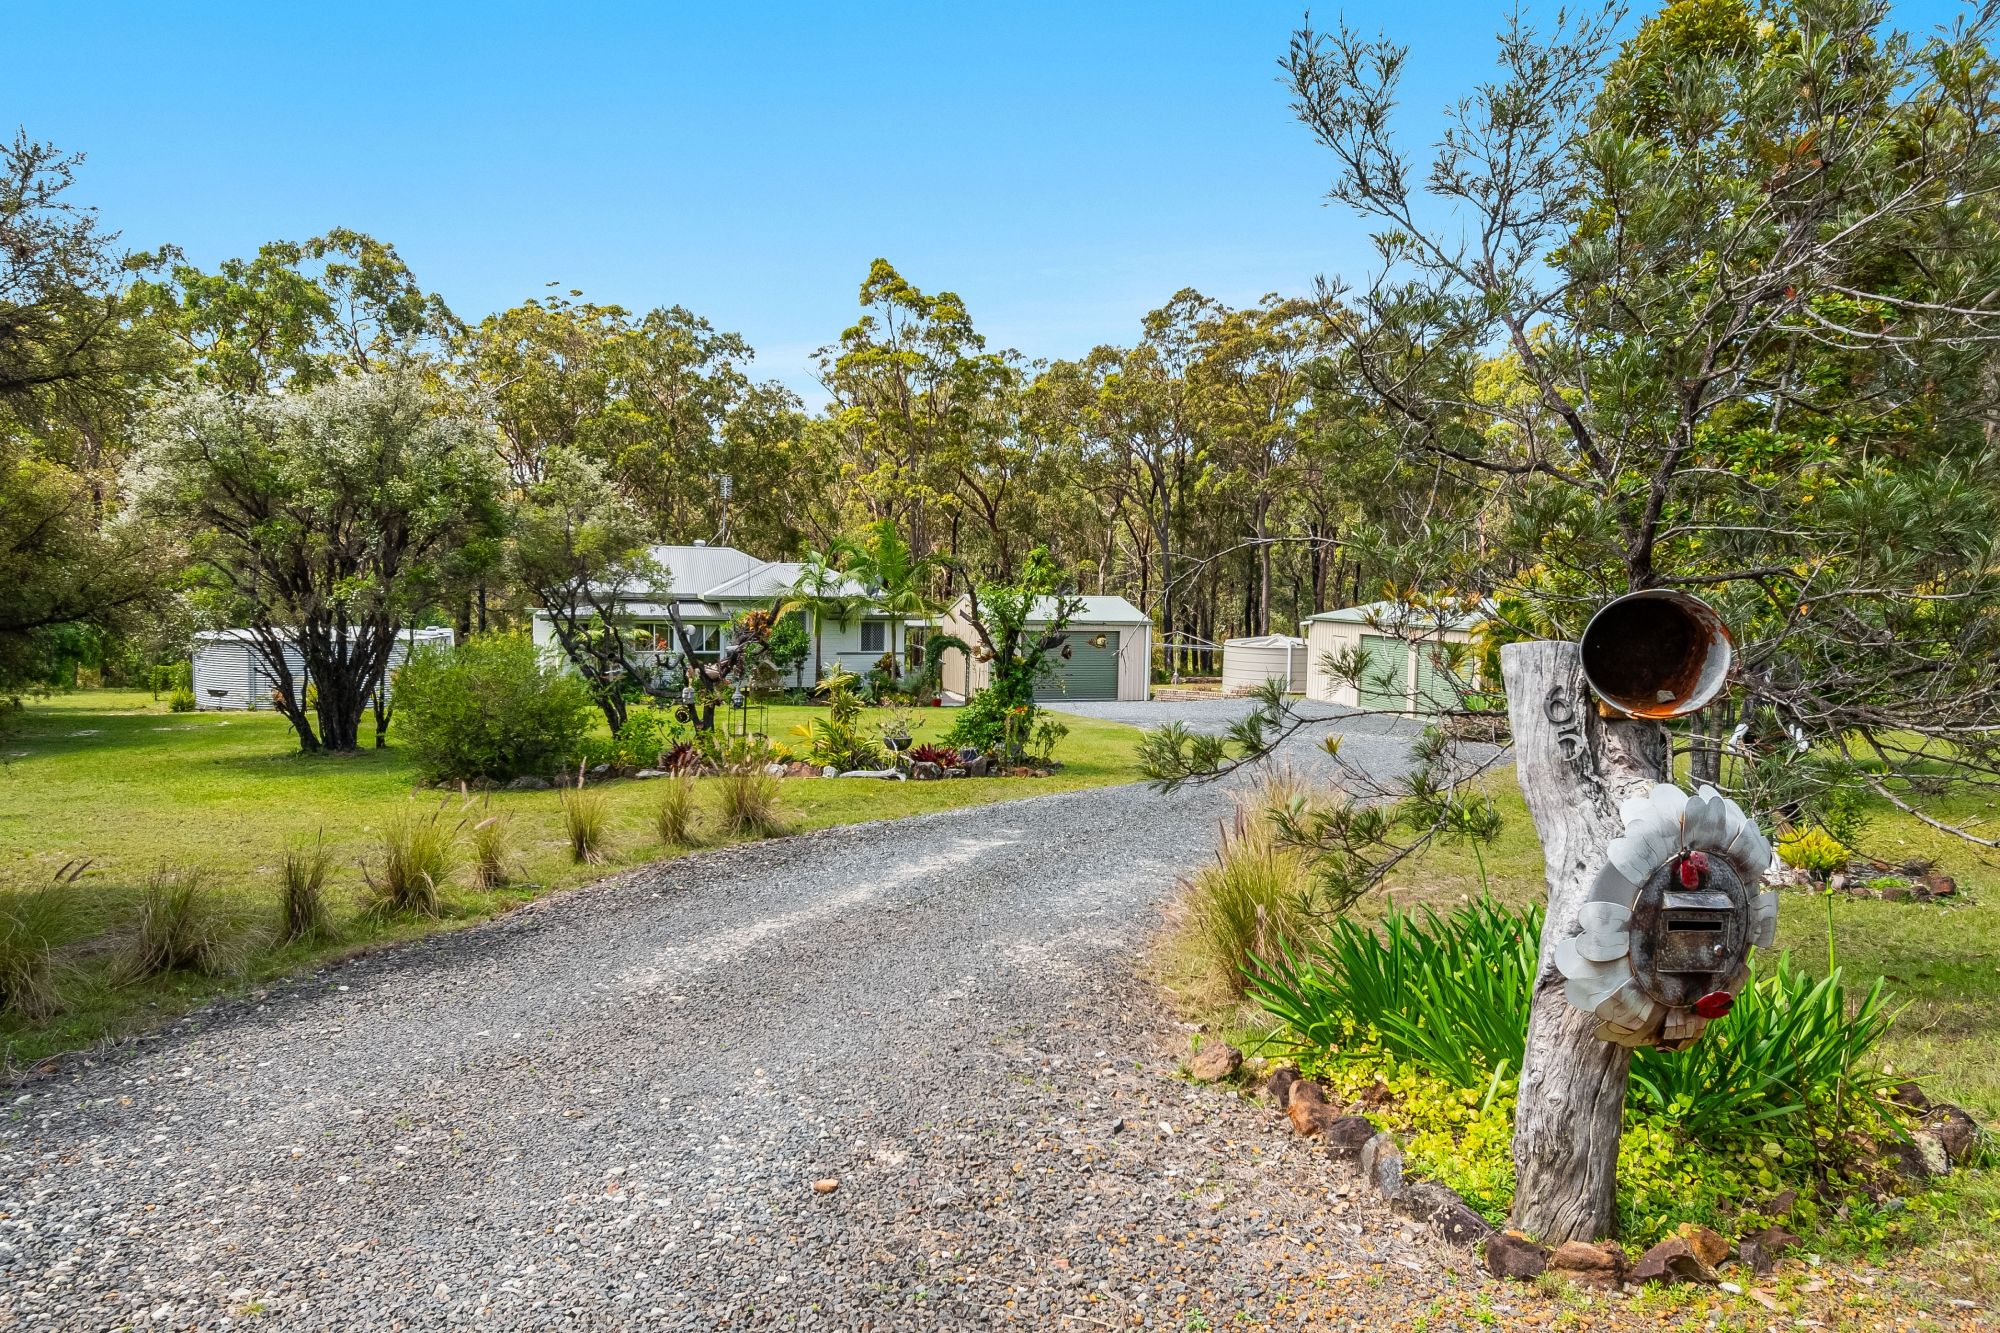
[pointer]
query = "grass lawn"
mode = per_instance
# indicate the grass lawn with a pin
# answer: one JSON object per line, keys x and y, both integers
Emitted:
{"x": 114, "y": 778}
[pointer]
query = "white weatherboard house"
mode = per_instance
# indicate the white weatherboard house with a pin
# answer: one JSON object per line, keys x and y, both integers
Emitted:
{"x": 711, "y": 585}
{"x": 230, "y": 672}
{"x": 1110, "y": 657}
{"x": 1248, "y": 663}
{"x": 1396, "y": 641}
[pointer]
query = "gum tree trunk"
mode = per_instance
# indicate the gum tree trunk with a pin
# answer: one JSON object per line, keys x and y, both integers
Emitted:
{"x": 1574, "y": 768}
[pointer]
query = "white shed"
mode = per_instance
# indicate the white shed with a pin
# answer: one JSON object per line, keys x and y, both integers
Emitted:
{"x": 1110, "y": 653}
{"x": 230, "y": 672}
{"x": 1403, "y": 670}
{"x": 1248, "y": 663}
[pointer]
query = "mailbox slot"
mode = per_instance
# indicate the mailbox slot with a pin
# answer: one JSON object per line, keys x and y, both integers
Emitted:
{"x": 1688, "y": 941}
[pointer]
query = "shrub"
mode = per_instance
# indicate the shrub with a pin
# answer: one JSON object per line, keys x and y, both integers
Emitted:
{"x": 677, "y": 815}
{"x": 1791, "y": 1046}
{"x": 749, "y": 805}
{"x": 182, "y": 700}
{"x": 982, "y": 723}
{"x": 1050, "y": 732}
{"x": 30, "y": 921}
{"x": 180, "y": 928}
{"x": 492, "y": 836}
{"x": 1249, "y": 902}
{"x": 491, "y": 707}
{"x": 1450, "y": 994}
{"x": 836, "y": 739}
{"x": 418, "y": 849}
{"x": 646, "y": 740}
{"x": 1812, "y": 850}
{"x": 586, "y": 822}
{"x": 302, "y": 913}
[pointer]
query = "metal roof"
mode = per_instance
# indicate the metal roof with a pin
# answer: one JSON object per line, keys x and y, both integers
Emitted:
{"x": 1403, "y": 615}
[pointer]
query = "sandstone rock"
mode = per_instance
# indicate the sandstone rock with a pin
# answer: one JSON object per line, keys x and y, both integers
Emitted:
{"x": 1309, "y": 1117}
{"x": 1898, "y": 893}
{"x": 826, "y": 1186}
{"x": 1345, "y": 1134}
{"x": 1672, "y": 1261}
{"x": 1382, "y": 1167}
{"x": 1376, "y": 1094}
{"x": 954, "y": 772}
{"x": 1510, "y": 1254}
{"x": 1708, "y": 1247}
{"x": 926, "y": 771}
{"x": 1941, "y": 886}
{"x": 1279, "y": 1086}
{"x": 1425, "y": 1199}
{"x": 978, "y": 766}
{"x": 1782, "y": 1203}
{"x": 1597, "y": 1265}
{"x": 1215, "y": 1060}
{"x": 1760, "y": 1251}
{"x": 525, "y": 783}
{"x": 1304, "y": 1089}
{"x": 1956, "y": 1132}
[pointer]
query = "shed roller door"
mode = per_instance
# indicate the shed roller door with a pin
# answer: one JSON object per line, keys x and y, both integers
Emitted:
{"x": 1385, "y": 661}
{"x": 1091, "y": 672}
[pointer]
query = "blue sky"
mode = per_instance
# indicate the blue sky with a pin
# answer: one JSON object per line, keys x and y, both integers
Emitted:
{"x": 1063, "y": 167}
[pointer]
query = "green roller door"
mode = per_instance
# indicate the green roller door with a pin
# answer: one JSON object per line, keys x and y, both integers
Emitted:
{"x": 1383, "y": 656}
{"x": 1438, "y": 686}
{"x": 1090, "y": 672}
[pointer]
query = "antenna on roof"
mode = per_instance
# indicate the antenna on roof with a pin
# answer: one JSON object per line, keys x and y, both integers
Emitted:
{"x": 726, "y": 485}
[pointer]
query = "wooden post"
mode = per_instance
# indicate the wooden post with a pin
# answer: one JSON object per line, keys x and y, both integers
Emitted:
{"x": 1574, "y": 767}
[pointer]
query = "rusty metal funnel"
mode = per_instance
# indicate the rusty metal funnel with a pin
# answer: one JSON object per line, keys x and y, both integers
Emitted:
{"x": 1656, "y": 653}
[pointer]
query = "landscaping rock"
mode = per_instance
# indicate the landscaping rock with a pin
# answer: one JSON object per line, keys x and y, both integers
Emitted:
{"x": 1375, "y": 1094}
{"x": 1279, "y": 1086}
{"x": 651, "y": 773}
{"x": 1509, "y": 1254}
{"x": 1909, "y": 1094}
{"x": 1898, "y": 893}
{"x": 1596, "y": 1265}
{"x": 1309, "y": 1117}
{"x": 1215, "y": 1060}
{"x": 1955, "y": 1130}
{"x": 1782, "y": 1203}
{"x": 1708, "y": 1247}
{"x": 1941, "y": 886}
{"x": 525, "y": 783}
{"x": 1672, "y": 1261}
{"x": 1382, "y": 1167}
{"x": 599, "y": 770}
{"x": 1426, "y": 1200}
{"x": 978, "y": 766}
{"x": 926, "y": 771}
{"x": 1760, "y": 1251}
{"x": 830, "y": 771}
{"x": 825, "y": 1186}
{"x": 1457, "y": 1224}
{"x": 1346, "y": 1134}
{"x": 1923, "y": 1157}
{"x": 955, "y": 773}
{"x": 1304, "y": 1089}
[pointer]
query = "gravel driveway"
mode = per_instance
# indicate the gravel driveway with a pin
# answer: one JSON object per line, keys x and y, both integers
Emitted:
{"x": 608, "y": 1110}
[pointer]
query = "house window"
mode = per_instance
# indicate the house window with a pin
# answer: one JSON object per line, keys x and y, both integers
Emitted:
{"x": 874, "y": 636}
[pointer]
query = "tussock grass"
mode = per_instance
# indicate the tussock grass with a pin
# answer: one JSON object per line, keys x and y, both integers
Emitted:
{"x": 750, "y": 804}
{"x": 418, "y": 851}
{"x": 678, "y": 816}
{"x": 181, "y": 927}
{"x": 1250, "y": 901}
{"x": 302, "y": 909}
{"x": 586, "y": 818}
{"x": 31, "y": 921}
{"x": 492, "y": 838}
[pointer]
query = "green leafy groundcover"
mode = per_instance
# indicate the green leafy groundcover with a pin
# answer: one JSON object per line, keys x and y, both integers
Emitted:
{"x": 1776, "y": 1096}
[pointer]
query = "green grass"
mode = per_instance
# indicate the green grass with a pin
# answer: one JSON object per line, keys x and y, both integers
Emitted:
{"x": 113, "y": 777}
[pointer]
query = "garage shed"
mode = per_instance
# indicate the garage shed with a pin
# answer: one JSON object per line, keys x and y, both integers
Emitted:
{"x": 230, "y": 673}
{"x": 1402, "y": 670}
{"x": 1110, "y": 652}
{"x": 1248, "y": 663}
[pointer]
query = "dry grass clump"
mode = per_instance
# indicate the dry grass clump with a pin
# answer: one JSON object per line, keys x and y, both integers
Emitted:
{"x": 31, "y": 921}
{"x": 418, "y": 851}
{"x": 180, "y": 928}
{"x": 302, "y": 910}
{"x": 1250, "y": 901}
{"x": 587, "y": 822}
{"x": 750, "y": 807}
{"x": 492, "y": 838}
{"x": 678, "y": 816}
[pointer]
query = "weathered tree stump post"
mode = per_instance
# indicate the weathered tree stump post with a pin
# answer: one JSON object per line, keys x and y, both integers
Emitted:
{"x": 1574, "y": 767}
